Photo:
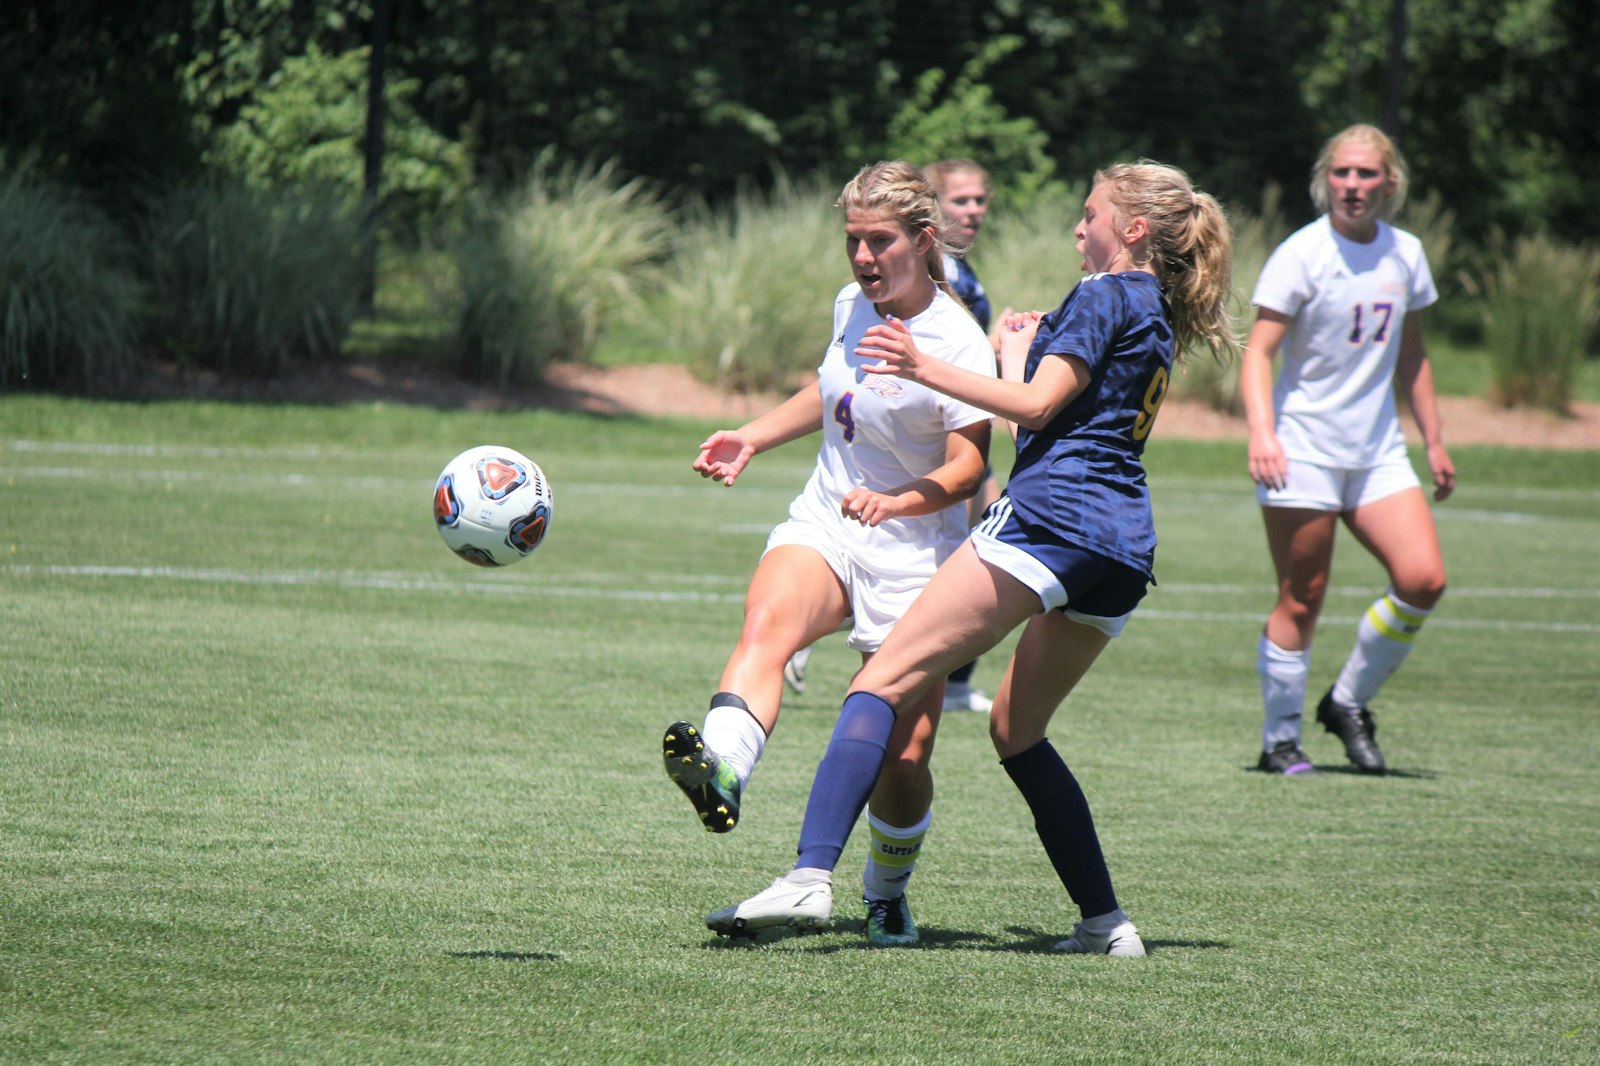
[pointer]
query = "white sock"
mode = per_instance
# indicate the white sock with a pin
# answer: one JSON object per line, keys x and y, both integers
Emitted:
{"x": 1383, "y": 640}
{"x": 809, "y": 875}
{"x": 734, "y": 734}
{"x": 801, "y": 657}
{"x": 1283, "y": 691}
{"x": 1102, "y": 924}
{"x": 891, "y": 856}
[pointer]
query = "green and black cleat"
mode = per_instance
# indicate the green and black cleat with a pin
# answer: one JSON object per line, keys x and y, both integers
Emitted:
{"x": 710, "y": 783}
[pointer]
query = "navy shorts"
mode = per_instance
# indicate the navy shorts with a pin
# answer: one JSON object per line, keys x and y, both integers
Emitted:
{"x": 1086, "y": 586}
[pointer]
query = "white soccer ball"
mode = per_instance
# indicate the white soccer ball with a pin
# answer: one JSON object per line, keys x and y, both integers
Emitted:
{"x": 492, "y": 505}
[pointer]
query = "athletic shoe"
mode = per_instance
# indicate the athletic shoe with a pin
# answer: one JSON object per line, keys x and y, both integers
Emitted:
{"x": 959, "y": 697}
{"x": 889, "y": 923}
{"x": 794, "y": 671}
{"x": 710, "y": 783}
{"x": 1121, "y": 939}
{"x": 1285, "y": 757}
{"x": 803, "y": 900}
{"x": 1357, "y": 729}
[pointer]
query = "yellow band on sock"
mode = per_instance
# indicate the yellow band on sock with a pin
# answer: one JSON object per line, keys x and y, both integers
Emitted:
{"x": 895, "y": 851}
{"x": 1395, "y": 622}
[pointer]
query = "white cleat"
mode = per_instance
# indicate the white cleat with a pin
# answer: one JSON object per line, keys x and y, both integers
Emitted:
{"x": 966, "y": 698}
{"x": 801, "y": 898}
{"x": 1111, "y": 934}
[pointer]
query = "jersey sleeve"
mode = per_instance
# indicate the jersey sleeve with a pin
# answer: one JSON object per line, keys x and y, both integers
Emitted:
{"x": 1285, "y": 282}
{"x": 1423, "y": 291}
{"x": 1086, "y": 323}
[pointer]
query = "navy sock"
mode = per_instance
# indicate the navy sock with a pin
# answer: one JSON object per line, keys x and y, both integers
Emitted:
{"x": 844, "y": 780}
{"x": 1066, "y": 828}
{"x": 963, "y": 673}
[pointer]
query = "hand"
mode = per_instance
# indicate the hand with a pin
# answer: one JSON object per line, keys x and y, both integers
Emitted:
{"x": 1016, "y": 333}
{"x": 868, "y": 507}
{"x": 724, "y": 455}
{"x": 1444, "y": 472}
{"x": 890, "y": 343}
{"x": 1268, "y": 465}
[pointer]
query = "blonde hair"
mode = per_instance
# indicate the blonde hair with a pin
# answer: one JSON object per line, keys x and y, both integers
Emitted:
{"x": 939, "y": 173}
{"x": 1394, "y": 166}
{"x": 901, "y": 191}
{"x": 1191, "y": 247}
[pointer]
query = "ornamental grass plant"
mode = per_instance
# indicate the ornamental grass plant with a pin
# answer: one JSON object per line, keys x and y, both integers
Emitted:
{"x": 248, "y": 280}
{"x": 751, "y": 284}
{"x": 544, "y": 270}
{"x": 1539, "y": 300}
{"x": 71, "y": 297}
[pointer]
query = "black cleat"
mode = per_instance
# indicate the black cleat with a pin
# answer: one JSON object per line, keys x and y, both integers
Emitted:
{"x": 710, "y": 783}
{"x": 1285, "y": 757}
{"x": 1357, "y": 729}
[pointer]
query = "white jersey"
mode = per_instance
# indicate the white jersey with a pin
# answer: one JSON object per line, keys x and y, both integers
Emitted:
{"x": 880, "y": 432}
{"x": 1347, "y": 303}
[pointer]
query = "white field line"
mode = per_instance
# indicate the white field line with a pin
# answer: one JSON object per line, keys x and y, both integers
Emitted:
{"x": 403, "y": 583}
{"x": 237, "y": 476}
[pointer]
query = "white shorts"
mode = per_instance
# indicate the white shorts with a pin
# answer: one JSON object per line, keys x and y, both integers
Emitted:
{"x": 1312, "y": 487}
{"x": 876, "y": 603}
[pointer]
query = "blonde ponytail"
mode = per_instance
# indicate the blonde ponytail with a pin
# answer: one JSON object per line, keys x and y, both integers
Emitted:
{"x": 1191, "y": 245}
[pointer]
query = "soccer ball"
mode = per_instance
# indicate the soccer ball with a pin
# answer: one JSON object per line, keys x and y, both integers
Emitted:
{"x": 492, "y": 505}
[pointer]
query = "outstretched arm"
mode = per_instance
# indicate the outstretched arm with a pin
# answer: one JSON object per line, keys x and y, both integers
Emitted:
{"x": 1029, "y": 403}
{"x": 724, "y": 455}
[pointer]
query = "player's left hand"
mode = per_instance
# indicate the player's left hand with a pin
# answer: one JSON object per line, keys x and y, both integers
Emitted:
{"x": 1444, "y": 472}
{"x": 868, "y": 507}
{"x": 891, "y": 344}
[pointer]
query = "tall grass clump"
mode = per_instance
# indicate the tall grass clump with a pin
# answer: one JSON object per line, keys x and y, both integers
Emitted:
{"x": 248, "y": 280}
{"x": 541, "y": 270}
{"x": 1540, "y": 303}
{"x": 751, "y": 284}
{"x": 72, "y": 300}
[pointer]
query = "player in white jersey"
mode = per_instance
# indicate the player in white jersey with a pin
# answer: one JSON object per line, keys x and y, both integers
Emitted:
{"x": 877, "y": 517}
{"x": 963, "y": 190}
{"x": 1339, "y": 300}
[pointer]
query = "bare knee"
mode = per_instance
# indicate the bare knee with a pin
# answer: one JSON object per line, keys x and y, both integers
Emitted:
{"x": 1423, "y": 590}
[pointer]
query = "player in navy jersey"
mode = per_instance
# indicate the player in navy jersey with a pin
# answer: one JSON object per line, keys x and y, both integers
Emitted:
{"x": 881, "y": 511}
{"x": 963, "y": 188}
{"x": 1340, "y": 299}
{"x": 1067, "y": 552}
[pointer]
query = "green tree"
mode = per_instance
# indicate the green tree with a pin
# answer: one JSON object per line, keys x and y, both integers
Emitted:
{"x": 306, "y": 124}
{"x": 967, "y": 121}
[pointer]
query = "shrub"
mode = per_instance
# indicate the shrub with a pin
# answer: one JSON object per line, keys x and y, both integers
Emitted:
{"x": 248, "y": 279}
{"x": 1540, "y": 304}
{"x": 71, "y": 299}
{"x": 541, "y": 270}
{"x": 751, "y": 286}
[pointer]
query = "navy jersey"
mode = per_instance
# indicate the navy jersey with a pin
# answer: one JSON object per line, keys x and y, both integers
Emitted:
{"x": 965, "y": 284}
{"x": 1081, "y": 476}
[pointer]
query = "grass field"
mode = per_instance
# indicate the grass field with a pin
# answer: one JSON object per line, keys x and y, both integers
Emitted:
{"x": 282, "y": 780}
